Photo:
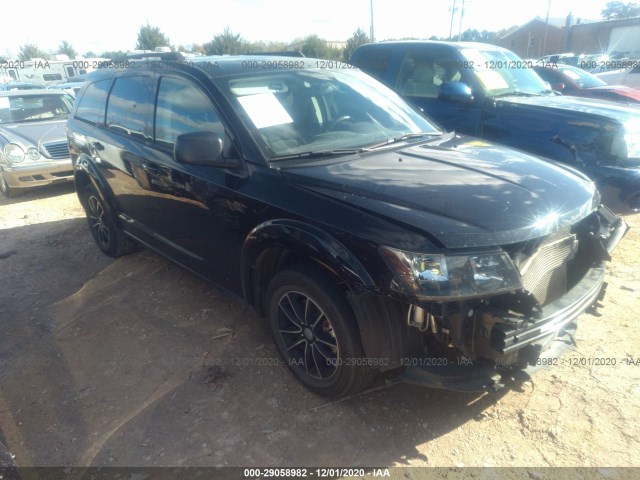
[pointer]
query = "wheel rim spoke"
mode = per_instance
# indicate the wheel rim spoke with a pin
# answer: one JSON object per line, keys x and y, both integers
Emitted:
{"x": 300, "y": 341}
{"x": 315, "y": 361}
{"x": 308, "y": 335}
{"x": 295, "y": 321}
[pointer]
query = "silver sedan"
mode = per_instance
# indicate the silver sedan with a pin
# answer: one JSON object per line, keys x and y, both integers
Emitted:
{"x": 33, "y": 143}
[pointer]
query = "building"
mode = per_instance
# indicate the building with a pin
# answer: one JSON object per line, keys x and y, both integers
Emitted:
{"x": 535, "y": 38}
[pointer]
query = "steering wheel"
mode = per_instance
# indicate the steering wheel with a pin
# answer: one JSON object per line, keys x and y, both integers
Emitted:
{"x": 338, "y": 121}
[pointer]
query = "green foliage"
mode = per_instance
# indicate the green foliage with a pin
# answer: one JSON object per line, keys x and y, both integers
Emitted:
{"x": 358, "y": 38}
{"x": 29, "y": 51}
{"x": 226, "y": 42}
{"x": 151, "y": 37}
{"x": 117, "y": 56}
{"x": 66, "y": 49}
{"x": 314, "y": 46}
{"x": 616, "y": 10}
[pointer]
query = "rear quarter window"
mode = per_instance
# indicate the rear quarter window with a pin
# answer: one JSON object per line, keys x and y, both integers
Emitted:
{"x": 374, "y": 62}
{"x": 91, "y": 105}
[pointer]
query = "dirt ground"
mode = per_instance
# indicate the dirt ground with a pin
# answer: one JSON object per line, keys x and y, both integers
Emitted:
{"x": 137, "y": 362}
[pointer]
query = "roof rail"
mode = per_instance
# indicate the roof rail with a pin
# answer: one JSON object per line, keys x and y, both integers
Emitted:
{"x": 283, "y": 53}
{"x": 157, "y": 56}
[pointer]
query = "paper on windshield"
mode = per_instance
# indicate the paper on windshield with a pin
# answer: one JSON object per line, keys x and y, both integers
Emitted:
{"x": 265, "y": 110}
{"x": 491, "y": 80}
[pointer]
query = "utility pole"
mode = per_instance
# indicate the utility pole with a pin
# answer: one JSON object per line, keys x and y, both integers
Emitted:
{"x": 371, "y": 29}
{"x": 453, "y": 13}
{"x": 546, "y": 28}
{"x": 460, "y": 25}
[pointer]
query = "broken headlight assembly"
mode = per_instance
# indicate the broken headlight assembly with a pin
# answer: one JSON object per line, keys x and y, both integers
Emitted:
{"x": 453, "y": 276}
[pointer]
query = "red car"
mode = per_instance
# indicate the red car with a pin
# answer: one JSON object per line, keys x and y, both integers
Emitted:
{"x": 574, "y": 81}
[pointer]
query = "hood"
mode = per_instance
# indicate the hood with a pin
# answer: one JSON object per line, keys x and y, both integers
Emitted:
{"x": 619, "y": 90}
{"x": 463, "y": 192}
{"x": 614, "y": 112}
{"x": 34, "y": 134}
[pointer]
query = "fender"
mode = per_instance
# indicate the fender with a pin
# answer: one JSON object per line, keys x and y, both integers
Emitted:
{"x": 304, "y": 239}
{"x": 85, "y": 165}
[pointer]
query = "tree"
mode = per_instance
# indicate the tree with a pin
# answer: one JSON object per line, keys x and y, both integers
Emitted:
{"x": 65, "y": 48}
{"x": 226, "y": 42}
{"x": 358, "y": 38}
{"x": 29, "y": 51}
{"x": 314, "y": 46}
{"x": 616, "y": 10}
{"x": 151, "y": 37}
{"x": 116, "y": 56}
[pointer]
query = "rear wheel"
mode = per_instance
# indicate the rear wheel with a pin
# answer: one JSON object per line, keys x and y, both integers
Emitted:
{"x": 316, "y": 333}
{"x": 106, "y": 232}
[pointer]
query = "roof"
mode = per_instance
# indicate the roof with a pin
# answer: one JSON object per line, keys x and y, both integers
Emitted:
{"x": 456, "y": 45}
{"x": 216, "y": 65}
{"x": 34, "y": 92}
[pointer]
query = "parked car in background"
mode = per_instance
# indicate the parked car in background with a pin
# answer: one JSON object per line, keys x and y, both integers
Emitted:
{"x": 574, "y": 81}
{"x": 370, "y": 239}
{"x": 629, "y": 77}
{"x": 7, "y": 87}
{"x": 489, "y": 92}
{"x": 563, "y": 58}
{"x": 72, "y": 86}
{"x": 33, "y": 146}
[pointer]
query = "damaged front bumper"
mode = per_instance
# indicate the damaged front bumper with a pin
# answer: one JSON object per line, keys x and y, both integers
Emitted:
{"x": 520, "y": 342}
{"x": 507, "y": 344}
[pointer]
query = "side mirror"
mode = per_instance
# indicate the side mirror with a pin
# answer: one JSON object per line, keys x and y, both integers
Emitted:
{"x": 455, "y": 92}
{"x": 201, "y": 148}
{"x": 558, "y": 87}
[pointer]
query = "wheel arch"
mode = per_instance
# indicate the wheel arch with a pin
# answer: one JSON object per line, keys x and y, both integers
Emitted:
{"x": 275, "y": 244}
{"x": 85, "y": 172}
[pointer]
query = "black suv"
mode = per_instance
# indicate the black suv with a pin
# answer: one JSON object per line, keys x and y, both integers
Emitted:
{"x": 371, "y": 240}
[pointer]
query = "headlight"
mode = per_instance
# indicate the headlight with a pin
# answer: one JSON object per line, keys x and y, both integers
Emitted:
{"x": 13, "y": 152}
{"x": 33, "y": 153}
{"x": 440, "y": 277}
{"x": 633, "y": 145}
{"x": 627, "y": 144}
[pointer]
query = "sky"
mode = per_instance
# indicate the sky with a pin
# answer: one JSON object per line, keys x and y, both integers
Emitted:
{"x": 114, "y": 25}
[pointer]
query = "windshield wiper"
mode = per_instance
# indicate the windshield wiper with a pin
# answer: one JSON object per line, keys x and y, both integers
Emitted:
{"x": 401, "y": 138}
{"x": 320, "y": 153}
{"x": 518, "y": 93}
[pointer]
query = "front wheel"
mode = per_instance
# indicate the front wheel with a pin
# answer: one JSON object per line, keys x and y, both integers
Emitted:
{"x": 6, "y": 190}
{"x": 316, "y": 333}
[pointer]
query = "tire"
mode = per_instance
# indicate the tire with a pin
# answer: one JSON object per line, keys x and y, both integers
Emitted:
{"x": 8, "y": 191}
{"x": 316, "y": 333}
{"x": 106, "y": 232}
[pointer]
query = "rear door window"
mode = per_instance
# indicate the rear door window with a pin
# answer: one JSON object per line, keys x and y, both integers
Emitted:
{"x": 130, "y": 105}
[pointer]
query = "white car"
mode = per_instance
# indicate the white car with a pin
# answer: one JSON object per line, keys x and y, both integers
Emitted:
{"x": 627, "y": 76}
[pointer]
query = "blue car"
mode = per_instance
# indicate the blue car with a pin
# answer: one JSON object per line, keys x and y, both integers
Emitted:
{"x": 489, "y": 92}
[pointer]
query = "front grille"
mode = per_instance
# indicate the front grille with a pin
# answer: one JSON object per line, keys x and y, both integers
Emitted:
{"x": 56, "y": 150}
{"x": 544, "y": 272}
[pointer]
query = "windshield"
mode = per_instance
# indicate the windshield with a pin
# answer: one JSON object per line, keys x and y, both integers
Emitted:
{"x": 582, "y": 78}
{"x": 306, "y": 111}
{"x": 32, "y": 108}
{"x": 501, "y": 72}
